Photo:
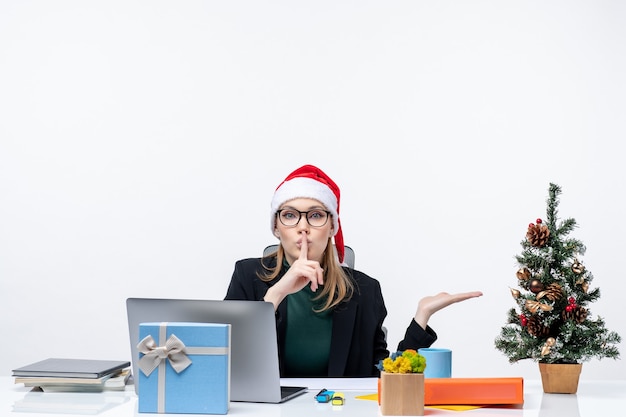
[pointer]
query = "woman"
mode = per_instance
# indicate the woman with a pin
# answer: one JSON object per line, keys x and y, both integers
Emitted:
{"x": 329, "y": 317}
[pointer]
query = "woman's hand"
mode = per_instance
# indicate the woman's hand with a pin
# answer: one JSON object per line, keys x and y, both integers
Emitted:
{"x": 302, "y": 273}
{"x": 429, "y": 305}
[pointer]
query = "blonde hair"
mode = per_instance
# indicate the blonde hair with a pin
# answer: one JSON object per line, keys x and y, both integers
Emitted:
{"x": 338, "y": 286}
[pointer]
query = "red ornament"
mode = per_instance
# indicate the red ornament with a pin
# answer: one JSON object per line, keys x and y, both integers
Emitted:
{"x": 539, "y": 221}
{"x": 531, "y": 224}
{"x": 523, "y": 320}
{"x": 569, "y": 307}
{"x": 571, "y": 300}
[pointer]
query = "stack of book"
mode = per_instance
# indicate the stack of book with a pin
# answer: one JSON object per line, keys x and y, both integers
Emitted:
{"x": 74, "y": 375}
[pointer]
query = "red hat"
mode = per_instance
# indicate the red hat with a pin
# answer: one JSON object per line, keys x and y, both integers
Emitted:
{"x": 309, "y": 181}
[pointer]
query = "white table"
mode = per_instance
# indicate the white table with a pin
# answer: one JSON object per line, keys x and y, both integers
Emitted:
{"x": 594, "y": 399}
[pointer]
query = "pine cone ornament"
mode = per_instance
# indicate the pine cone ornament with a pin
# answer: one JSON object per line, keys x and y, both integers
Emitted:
{"x": 578, "y": 314}
{"x": 538, "y": 234}
{"x": 552, "y": 292}
{"x": 535, "y": 327}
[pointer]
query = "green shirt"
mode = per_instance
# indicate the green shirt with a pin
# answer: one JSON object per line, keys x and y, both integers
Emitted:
{"x": 307, "y": 340}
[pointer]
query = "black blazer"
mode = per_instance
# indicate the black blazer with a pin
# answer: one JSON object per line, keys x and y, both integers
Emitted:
{"x": 358, "y": 342}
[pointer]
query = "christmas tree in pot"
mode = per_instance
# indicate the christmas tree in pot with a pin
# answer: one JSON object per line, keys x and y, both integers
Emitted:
{"x": 552, "y": 323}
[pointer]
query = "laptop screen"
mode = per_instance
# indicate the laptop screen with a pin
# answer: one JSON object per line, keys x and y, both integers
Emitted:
{"x": 254, "y": 352}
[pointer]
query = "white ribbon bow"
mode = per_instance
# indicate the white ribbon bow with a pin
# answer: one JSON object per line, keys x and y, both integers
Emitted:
{"x": 174, "y": 350}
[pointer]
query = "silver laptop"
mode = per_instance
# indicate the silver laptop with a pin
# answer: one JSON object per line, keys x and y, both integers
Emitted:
{"x": 255, "y": 374}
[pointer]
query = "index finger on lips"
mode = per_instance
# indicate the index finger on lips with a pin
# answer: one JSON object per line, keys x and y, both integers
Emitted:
{"x": 304, "y": 247}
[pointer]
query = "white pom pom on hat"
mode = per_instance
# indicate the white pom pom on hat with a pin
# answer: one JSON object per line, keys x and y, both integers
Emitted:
{"x": 309, "y": 181}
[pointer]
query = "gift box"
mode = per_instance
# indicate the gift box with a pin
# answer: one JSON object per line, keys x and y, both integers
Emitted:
{"x": 184, "y": 368}
{"x": 474, "y": 391}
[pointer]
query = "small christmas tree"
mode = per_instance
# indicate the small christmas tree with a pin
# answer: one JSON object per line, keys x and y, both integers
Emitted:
{"x": 552, "y": 322}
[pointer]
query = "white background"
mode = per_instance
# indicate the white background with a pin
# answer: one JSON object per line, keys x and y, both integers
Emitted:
{"x": 141, "y": 142}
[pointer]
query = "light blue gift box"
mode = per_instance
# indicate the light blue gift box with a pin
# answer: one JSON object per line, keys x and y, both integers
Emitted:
{"x": 184, "y": 368}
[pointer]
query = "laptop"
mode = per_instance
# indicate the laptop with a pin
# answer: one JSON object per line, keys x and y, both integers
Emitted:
{"x": 255, "y": 375}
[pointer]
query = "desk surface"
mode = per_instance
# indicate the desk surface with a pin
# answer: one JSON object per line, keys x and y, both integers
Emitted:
{"x": 594, "y": 399}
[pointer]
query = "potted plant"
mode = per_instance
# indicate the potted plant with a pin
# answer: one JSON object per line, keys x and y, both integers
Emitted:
{"x": 401, "y": 384}
{"x": 552, "y": 323}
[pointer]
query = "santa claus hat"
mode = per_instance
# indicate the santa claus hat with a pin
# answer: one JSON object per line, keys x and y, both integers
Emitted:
{"x": 309, "y": 181}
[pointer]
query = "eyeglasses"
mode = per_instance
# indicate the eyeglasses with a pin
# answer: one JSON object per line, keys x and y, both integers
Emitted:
{"x": 291, "y": 217}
